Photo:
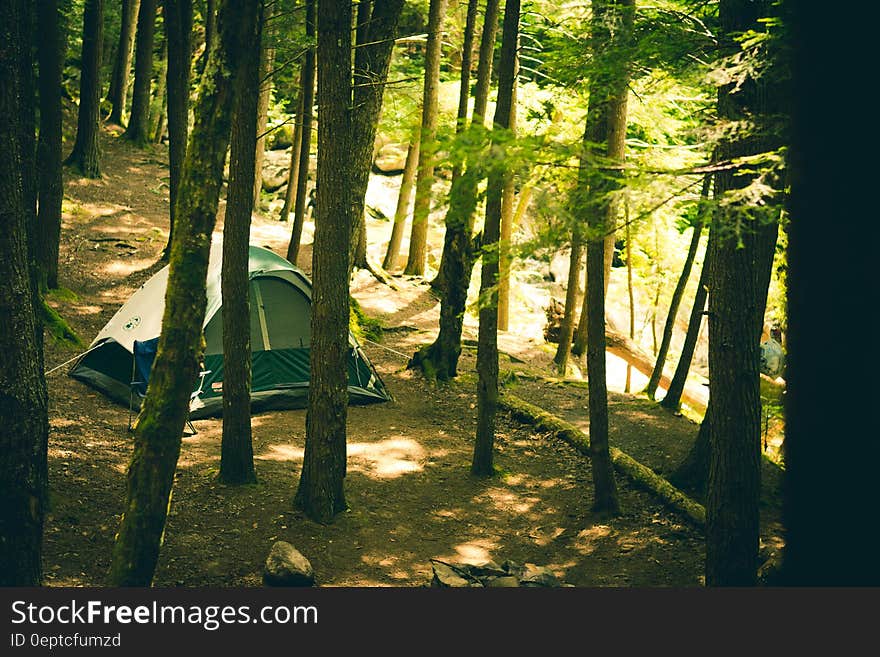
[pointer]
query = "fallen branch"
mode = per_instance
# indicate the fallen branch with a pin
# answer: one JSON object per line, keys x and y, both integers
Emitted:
{"x": 639, "y": 474}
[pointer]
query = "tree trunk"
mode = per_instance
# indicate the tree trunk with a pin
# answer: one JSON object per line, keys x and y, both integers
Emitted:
{"x": 677, "y": 295}
{"x": 138, "y": 129}
{"x": 178, "y": 28}
{"x": 507, "y": 203}
{"x": 487, "y": 349}
{"x": 739, "y": 276}
{"x": 308, "y": 102}
{"x": 629, "y": 292}
{"x": 49, "y": 169}
{"x": 23, "y": 403}
{"x": 160, "y": 423}
{"x": 672, "y": 400}
{"x": 440, "y": 359}
{"x": 267, "y": 64}
{"x": 418, "y": 241}
{"x": 404, "y": 201}
{"x": 321, "y": 492}
{"x": 236, "y": 449}
{"x": 118, "y": 93}
{"x": 566, "y": 329}
{"x": 85, "y": 155}
{"x": 293, "y": 175}
{"x": 157, "y": 107}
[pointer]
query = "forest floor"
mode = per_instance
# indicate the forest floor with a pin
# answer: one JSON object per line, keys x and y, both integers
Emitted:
{"x": 411, "y": 496}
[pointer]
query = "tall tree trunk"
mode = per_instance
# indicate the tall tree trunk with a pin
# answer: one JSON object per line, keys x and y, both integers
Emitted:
{"x": 293, "y": 175}
{"x": 321, "y": 492}
{"x": 566, "y": 329}
{"x": 178, "y": 28}
{"x": 85, "y": 155}
{"x": 267, "y": 64}
{"x": 629, "y": 291}
{"x": 118, "y": 93}
{"x": 138, "y": 129}
{"x": 236, "y": 449}
{"x": 418, "y": 241}
{"x": 157, "y": 107}
{"x": 160, "y": 423}
{"x": 440, "y": 358}
{"x": 308, "y": 102}
{"x": 740, "y": 274}
{"x": 404, "y": 201}
{"x": 49, "y": 169}
{"x": 672, "y": 400}
{"x": 677, "y": 295}
{"x": 507, "y": 211}
{"x": 487, "y": 344}
{"x": 23, "y": 403}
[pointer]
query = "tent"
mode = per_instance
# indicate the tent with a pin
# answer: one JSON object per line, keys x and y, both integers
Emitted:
{"x": 280, "y": 309}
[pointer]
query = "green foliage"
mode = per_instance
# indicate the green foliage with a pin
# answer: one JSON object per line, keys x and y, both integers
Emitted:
{"x": 361, "y": 326}
{"x": 59, "y": 330}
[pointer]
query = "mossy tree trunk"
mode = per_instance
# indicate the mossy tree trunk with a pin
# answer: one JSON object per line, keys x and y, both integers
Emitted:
{"x": 118, "y": 93}
{"x": 160, "y": 424}
{"x": 158, "y": 104}
{"x": 85, "y": 156}
{"x": 418, "y": 241}
{"x": 236, "y": 448}
{"x": 49, "y": 168}
{"x": 178, "y": 29}
{"x": 308, "y": 102}
{"x": 440, "y": 358}
{"x": 23, "y": 399}
{"x": 138, "y": 129}
{"x": 677, "y": 295}
{"x": 487, "y": 342}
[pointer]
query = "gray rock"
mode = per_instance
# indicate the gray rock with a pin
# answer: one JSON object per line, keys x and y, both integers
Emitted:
{"x": 286, "y": 566}
{"x": 447, "y": 577}
{"x": 538, "y": 576}
{"x": 391, "y": 158}
{"x": 274, "y": 179}
{"x": 487, "y": 569}
{"x": 505, "y": 582}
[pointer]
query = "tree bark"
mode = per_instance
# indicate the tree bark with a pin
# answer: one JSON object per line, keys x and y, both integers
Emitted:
{"x": 404, "y": 201}
{"x": 507, "y": 212}
{"x": 321, "y": 492}
{"x": 629, "y": 293}
{"x": 308, "y": 102}
{"x": 23, "y": 399}
{"x": 440, "y": 359}
{"x": 157, "y": 107}
{"x": 487, "y": 349}
{"x": 118, "y": 93}
{"x": 566, "y": 329}
{"x": 85, "y": 156}
{"x": 267, "y": 64}
{"x": 677, "y": 295}
{"x": 236, "y": 448}
{"x": 138, "y": 129}
{"x": 178, "y": 28}
{"x": 160, "y": 424}
{"x": 49, "y": 168}
{"x": 418, "y": 241}
{"x": 295, "y": 148}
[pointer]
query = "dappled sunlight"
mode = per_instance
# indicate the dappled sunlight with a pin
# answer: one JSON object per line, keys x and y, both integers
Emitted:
{"x": 508, "y": 501}
{"x": 281, "y": 453}
{"x": 475, "y": 551}
{"x": 587, "y": 540}
{"x": 126, "y": 267}
{"x": 386, "y": 459}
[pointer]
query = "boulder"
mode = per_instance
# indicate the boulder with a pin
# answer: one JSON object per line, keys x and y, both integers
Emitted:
{"x": 274, "y": 178}
{"x": 533, "y": 575}
{"x": 286, "y": 566}
{"x": 280, "y": 138}
{"x": 391, "y": 159}
{"x": 446, "y": 576}
{"x": 506, "y": 582}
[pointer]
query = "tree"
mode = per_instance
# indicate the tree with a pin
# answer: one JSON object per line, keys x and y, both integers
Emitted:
{"x": 122, "y": 66}
{"x": 309, "y": 70}
{"x": 440, "y": 358}
{"x": 348, "y": 111}
{"x": 612, "y": 26}
{"x": 677, "y": 295}
{"x": 487, "y": 342}
{"x": 85, "y": 154}
{"x": 295, "y": 147}
{"x": 178, "y": 30}
{"x": 24, "y": 423}
{"x": 418, "y": 254}
{"x": 404, "y": 200}
{"x": 267, "y": 63}
{"x": 160, "y": 424}
{"x": 236, "y": 449}
{"x": 138, "y": 129}
{"x": 742, "y": 259}
{"x": 157, "y": 106}
{"x": 49, "y": 167}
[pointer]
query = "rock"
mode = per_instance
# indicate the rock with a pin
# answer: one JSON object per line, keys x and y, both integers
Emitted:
{"x": 286, "y": 566}
{"x": 280, "y": 137}
{"x": 447, "y": 577}
{"x": 487, "y": 569}
{"x": 538, "y": 576}
{"x": 506, "y": 582}
{"x": 274, "y": 178}
{"x": 391, "y": 159}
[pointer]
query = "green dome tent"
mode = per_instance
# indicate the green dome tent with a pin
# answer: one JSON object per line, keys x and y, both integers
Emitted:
{"x": 280, "y": 307}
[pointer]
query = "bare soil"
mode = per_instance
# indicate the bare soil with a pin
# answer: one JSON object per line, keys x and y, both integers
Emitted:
{"x": 409, "y": 489}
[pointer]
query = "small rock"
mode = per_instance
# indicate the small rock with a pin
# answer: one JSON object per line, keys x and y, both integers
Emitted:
{"x": 391, "y": 159}
{"x": 487, "y": 569}
{"x": 508, "y": 581}
{"x": 538, "y": 576}
{"x": 447, "y": 577}
{"x": 286, "y": 566}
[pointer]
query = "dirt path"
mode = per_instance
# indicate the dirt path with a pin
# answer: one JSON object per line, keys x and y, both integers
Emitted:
{"x": 410, "y": 492}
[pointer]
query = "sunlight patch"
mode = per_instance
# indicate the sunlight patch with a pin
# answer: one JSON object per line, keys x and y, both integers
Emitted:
{"x": 387, "y": 458}
{"x": 282, "y": 453}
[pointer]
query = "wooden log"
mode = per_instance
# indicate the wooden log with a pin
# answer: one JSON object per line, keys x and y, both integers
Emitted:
{"x": 638, "y": 473}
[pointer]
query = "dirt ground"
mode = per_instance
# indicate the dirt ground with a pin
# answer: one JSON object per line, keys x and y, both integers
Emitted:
{"x": 410, "y": 493}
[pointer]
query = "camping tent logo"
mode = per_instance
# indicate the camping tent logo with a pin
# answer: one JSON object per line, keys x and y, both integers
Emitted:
{"x": 132, "y": 323}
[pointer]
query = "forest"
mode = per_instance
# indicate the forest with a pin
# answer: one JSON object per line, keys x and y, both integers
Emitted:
{"x": 427, "y": 293}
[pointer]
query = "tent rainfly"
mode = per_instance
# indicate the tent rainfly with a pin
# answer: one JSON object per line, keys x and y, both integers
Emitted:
{"x": 280, "y": 319}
